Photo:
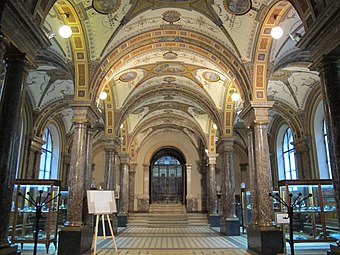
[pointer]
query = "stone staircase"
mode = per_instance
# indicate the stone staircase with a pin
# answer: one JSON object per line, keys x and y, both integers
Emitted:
{"x": 167, "y": 216}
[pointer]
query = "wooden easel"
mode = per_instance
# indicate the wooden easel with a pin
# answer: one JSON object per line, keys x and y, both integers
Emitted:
{"x": 95, "y": 237}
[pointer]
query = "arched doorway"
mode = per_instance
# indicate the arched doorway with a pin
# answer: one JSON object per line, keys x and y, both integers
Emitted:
{"x": 167, "y": 175}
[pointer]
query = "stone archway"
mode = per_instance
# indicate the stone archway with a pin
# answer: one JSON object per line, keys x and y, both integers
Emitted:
{"x": 167, "y": 176}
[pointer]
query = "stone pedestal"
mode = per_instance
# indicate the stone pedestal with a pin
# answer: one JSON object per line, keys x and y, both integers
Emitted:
{"x": 75, "y": 240}
{"x": 122, "y": 220}
{"x": 230, "y": 226}
{"x": 334, "y": 250}
{"x": 11, "y": 250}
{"x": 265, "y": 240}
{"x": 214, "y": 220}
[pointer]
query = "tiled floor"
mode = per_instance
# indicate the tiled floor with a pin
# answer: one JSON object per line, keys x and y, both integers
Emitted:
{"x": 178, "y": 241}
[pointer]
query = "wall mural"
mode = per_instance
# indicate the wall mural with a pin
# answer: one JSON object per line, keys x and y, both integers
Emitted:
{"x": 128, "y": 76}
{"x": 172, "y": 68}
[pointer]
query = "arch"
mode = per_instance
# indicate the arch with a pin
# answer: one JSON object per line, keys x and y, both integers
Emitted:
{"x": 190, "y": 40}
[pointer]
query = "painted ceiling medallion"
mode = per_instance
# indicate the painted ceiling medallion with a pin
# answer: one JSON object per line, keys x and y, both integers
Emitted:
{"x": 105, "y": 6}
{"x": 169, "y": 55}
{"x": 238, "y": 7}
{"x": 169, "y": 79}
{"x": 210, "y": 76}
{"x": 171, "y": 16}
{"x": 128, "y": 76}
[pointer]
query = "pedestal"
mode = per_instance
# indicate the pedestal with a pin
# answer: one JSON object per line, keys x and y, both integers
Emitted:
{"x": 122, "y": 220}
{"x": 265, "y": 240}
{"x": 75, "y": 240}
{"x": 12, "y": 250}
{"x": 334, "y": 250}
{"x": 214, "y": 220}
{"x": 230, "y": 226}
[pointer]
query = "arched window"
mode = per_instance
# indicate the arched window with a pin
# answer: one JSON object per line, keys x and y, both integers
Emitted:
{"x": 46, "y": 156}
{"x": 321, "y": 143}
{"x": 49, "y": 160}
{"x": 286, "y": 154}
{"x": 325, "y": 142}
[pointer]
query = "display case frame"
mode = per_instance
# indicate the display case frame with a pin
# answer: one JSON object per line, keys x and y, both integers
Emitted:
{"x": 23, "y": 214}
{"x": 315, "y": 219}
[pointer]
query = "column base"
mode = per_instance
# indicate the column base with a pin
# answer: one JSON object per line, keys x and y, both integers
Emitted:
{"x": 214, "y": 220}
{"x": 75, "y": 240}
{"x": 122, "y": 220}
{"x": 230, "y": 226}
{"x": 143, "y": 204}
{"x": 11, "y": 250}
{"x": 334, "y": 250}
{"x": 265, "y": 240}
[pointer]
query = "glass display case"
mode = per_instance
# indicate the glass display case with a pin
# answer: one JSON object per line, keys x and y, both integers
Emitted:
{"x": 315, "y": 218}
{"x": 63, "y": 206}
{"x": 23, "y": 213}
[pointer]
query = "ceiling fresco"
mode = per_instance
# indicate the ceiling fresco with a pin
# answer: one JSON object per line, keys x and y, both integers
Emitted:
{"x": 176, "y": 80}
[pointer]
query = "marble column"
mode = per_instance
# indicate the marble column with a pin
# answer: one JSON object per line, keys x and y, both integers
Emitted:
{"x": 10, "y": 116}
{"x": 228, "y": 178}
{"x": 302, "y": 153}
{"x": 204, "y": 181}
{"x": 34, "y": 157}
{"x": 212, "y": 185}
{"x": 330, "y": 78}
{"x": 124, "y": 184}
{"x": 263, "y": 175}
{"x": 252, "y": 179}
{"x": 132, "y": 175}
{"x": 230, "y": 224}
{"x": 66, "y": 159}
{"x": 88, "y": 219}
{"x": 77, "y": 175}
{"x": 110, "y": 174}
{"x": 143, "y": 200}
{"x": 214, "y": 218}
{"x": 124, "y": 190}
{"x": 192, "y": 203}
{"x": 262, "y": 234}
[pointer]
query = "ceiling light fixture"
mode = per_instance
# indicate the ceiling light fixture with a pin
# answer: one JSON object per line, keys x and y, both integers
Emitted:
{"x": 214, "y": 126}
{"x": 65, "y": 31}
{"x": 235, "y": 96}
{"x": 276, "y": 32}
{"x": 103, "y": 95}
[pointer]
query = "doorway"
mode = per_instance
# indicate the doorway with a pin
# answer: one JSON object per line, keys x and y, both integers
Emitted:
{"x": 167, "y": 175}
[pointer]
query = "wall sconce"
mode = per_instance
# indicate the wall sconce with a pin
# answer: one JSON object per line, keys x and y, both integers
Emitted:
{"x": 214, "y": 126}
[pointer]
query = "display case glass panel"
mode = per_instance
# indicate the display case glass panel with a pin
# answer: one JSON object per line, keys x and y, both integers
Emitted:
{"x": 314, "y": 218}
{"x": 24, "y": 216}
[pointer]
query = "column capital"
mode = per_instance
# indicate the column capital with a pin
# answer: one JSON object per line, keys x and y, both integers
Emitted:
{"x": 256, "y": 113}
{"x": 36, "y": 143}
{"x": 85, "y": 112}
{"x": 111, "y": 143}
{"x": 226, "y": 144}
{"x": 124, "y": 158}
{"x": 212, "y": 158}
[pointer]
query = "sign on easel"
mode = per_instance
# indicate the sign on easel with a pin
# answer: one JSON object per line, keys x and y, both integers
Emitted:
{"x": 100, "y": 203}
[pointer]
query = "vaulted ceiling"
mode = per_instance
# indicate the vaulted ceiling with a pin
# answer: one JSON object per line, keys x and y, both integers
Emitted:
{"x": 169, "y": 64}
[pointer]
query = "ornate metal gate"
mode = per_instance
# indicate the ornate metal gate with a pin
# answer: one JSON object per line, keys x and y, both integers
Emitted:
{"x": 167, "y": 181}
